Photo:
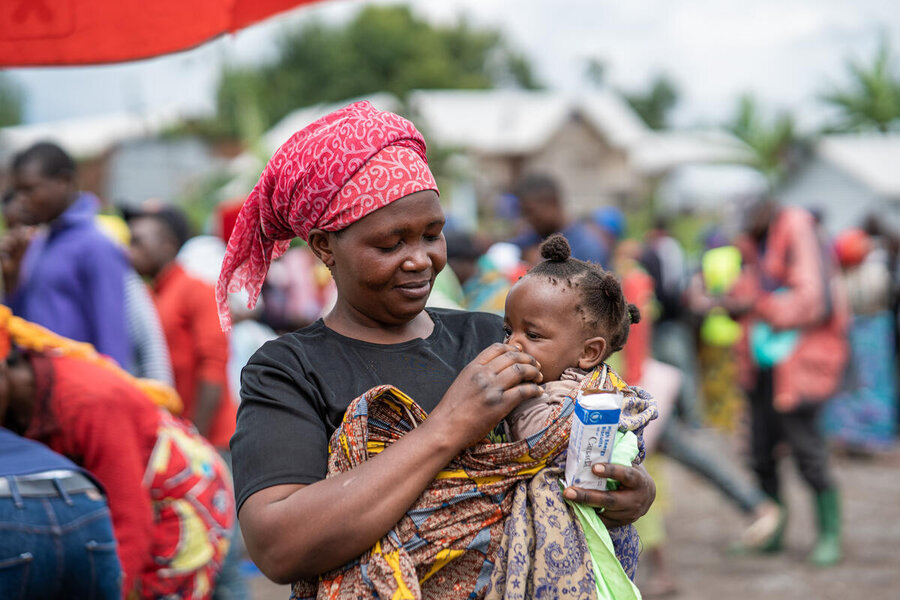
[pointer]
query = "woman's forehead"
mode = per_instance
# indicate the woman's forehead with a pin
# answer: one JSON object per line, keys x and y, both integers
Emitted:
{"x": 414, "y": 212}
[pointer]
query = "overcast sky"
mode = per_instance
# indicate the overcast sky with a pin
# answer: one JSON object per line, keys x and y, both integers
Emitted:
{"x": 785, "y": 51}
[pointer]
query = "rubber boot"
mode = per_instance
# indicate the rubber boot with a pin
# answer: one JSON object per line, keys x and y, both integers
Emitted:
{"x": 827, "y": 550}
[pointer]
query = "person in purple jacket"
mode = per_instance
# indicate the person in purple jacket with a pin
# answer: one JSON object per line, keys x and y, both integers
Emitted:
{"x": 71, "y": 280}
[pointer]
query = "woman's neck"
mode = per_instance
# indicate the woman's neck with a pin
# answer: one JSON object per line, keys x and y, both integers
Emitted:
{"x": 351, "y": 323}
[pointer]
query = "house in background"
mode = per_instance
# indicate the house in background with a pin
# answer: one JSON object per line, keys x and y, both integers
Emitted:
{"x": 848, "y": 178}
{"x": 594, "y": 144}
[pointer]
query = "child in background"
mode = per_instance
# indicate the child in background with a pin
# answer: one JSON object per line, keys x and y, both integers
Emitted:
{"x": 570, "y": 315}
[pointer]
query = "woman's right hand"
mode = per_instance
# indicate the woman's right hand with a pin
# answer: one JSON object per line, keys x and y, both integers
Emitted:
{"x": 486, "y": 390}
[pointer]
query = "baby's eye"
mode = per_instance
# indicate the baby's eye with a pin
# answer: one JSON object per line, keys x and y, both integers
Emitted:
{"x": 507, "y": 331}
{"x": 533, "y": 335}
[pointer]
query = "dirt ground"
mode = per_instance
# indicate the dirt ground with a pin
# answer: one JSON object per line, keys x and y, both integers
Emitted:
{"x": 701, "y": 525}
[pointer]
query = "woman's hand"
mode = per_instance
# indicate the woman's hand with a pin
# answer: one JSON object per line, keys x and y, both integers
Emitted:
{"x": 622, "y": 506}
{"x": 498, "y": 380}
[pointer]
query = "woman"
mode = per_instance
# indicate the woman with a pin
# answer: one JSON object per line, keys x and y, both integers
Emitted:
{"x": 356, "y": 186}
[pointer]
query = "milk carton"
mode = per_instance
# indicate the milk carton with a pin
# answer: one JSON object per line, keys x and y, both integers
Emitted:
{"x": 593, "y": 435}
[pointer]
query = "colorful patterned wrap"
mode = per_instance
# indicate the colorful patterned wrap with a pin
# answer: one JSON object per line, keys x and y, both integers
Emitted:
{"x": 863, "y": 415}
{"x": 456, "y": 541}
{"x": 194, "y": 506}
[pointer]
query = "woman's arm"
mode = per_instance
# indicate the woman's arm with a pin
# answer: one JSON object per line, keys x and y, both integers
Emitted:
{"x": 299, "y": 531}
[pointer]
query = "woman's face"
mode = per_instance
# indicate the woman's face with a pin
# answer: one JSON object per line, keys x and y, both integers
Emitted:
{"x": 384, "y": 265}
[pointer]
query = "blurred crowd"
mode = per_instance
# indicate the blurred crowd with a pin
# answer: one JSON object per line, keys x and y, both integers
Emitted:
{"x": 780, "y": 334}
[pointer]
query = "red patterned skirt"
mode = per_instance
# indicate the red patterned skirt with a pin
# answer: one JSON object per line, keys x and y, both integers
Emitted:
{"x": 193, "y": 502}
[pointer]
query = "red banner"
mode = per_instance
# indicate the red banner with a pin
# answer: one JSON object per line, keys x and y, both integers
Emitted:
{"x": 78, "y": 32}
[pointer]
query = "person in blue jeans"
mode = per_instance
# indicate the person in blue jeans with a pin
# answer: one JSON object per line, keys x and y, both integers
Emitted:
{"x": 56, "y": 536}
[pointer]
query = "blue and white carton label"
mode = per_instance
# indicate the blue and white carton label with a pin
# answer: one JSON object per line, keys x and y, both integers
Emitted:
{"x": 593, "y": 436}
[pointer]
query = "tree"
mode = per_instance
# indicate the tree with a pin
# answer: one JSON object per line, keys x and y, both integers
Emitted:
{"x": 239, "y": 103}
{"x": 655, "y": 104}
{"x": 871, "y": 99}
{"x": 771, "y": 140}
{"x": 11, "y": 101}
{"x": 384, "y": 48}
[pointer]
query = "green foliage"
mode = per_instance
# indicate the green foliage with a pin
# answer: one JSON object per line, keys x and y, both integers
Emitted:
{"x": 871, "y": 98}
{"x": 11, "y": 100}
{"x": 239, "y": 104}
{"x": 384, "y": 48}
{"x": 655, "y": 104}
{"x": 770, "y": 139}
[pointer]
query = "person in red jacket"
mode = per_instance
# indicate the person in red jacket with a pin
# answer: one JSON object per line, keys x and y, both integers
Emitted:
{"x": 187, "y": 311}
{"x": 794, "y": 315}
{"x": 169, "y": 491}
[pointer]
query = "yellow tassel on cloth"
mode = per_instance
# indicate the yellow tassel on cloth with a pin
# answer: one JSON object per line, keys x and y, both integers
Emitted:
{"x": 35, "y": 338}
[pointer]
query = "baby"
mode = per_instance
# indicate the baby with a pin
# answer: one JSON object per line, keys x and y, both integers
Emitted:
{"x": 570, "y": 315}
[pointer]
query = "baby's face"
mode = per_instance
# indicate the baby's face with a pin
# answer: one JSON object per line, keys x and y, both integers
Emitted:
{"x": 542, "y": 320}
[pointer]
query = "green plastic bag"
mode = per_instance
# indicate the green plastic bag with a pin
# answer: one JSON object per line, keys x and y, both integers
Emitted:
{"x": 612, "y": 581}
{"x": 721, "y": 269}
{"x": 720, "y": 330}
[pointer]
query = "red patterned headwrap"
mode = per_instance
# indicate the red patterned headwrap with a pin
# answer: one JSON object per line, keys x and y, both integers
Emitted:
{"x": 328, "y": 175}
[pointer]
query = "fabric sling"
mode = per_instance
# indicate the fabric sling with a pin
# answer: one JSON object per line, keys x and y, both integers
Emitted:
{"x": 455, "y": 541}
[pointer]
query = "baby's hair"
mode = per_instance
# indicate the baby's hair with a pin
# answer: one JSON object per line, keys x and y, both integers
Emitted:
{"x": 601, "y": 302}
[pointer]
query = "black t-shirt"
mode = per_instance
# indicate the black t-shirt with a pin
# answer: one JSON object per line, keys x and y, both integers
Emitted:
{"x": 295, "y": 389}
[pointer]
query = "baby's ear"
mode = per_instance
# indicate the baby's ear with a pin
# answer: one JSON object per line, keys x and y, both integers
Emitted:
{"x": 592, "y": 353}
